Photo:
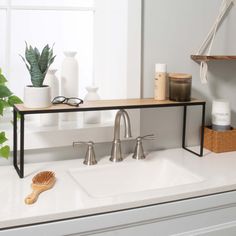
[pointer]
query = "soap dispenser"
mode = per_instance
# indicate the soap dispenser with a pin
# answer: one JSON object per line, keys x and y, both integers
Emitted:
{"x": 160, "y": 82}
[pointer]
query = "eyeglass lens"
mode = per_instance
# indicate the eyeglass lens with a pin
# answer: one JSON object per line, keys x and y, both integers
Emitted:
{"x": 59, "y": 99}
{"x": 73, "y": 101}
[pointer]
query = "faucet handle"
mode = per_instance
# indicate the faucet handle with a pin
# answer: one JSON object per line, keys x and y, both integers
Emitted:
{"x": 82, "y": 142}
{"x": 90, "y": 158}
{"x": 138, "y": 151}
{"x": 147, "y": 137}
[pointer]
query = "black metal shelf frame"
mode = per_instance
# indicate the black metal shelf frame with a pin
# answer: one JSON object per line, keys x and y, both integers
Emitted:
{"x": 20, "y": 167}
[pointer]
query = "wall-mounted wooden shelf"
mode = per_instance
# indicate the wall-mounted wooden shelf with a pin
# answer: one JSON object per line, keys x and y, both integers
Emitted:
{"x": 199, "y": 58}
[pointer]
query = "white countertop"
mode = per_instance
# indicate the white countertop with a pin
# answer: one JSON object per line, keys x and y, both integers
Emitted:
{"x": 67, "y": 199}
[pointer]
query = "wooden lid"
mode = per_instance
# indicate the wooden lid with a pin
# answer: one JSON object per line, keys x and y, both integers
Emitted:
{"x": 179, "y": 76}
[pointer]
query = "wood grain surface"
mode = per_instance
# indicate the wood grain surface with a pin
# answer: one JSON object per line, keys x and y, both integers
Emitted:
{"x": 105, "y": 105}
{"x": 200, "y": 58}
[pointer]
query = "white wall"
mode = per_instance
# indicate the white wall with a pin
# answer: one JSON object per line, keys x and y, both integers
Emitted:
{"x": 173, "y": 30}
{"x": 111, "y": 48}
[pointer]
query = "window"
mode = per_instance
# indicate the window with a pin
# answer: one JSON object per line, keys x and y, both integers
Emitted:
{"x": 98, "y": 30}
{"x": 106, "y": 34}
{"x": 68, "y": 24}
{"x": 2, "y": 38}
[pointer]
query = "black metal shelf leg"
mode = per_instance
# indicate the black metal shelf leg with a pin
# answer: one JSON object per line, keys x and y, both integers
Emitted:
{"x": 200, "y": 154}
{"x": 202, "y": 129}
{"x": 22, "y": 137}
{"x": 184, "y": 127}
{"x": 15, "y": 139}
{"x": 20, "y": 168}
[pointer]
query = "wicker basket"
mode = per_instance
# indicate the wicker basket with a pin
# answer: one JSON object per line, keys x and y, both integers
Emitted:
{"x": 220, "y": 141}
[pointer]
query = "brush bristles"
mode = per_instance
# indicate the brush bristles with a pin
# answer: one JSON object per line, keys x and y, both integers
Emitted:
{"x": 44, "y": 177}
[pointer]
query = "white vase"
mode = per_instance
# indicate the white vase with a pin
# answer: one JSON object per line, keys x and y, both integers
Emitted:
{"x": 52, "y": 81}
{"x": 92, "y": 117}
{"x": 69, "y": 80}
{"x": 37, "y": 97}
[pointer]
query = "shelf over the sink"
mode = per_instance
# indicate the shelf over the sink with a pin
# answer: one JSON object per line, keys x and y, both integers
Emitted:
{"x": 199, "y": 58}
{"x": 107, "y": 105}
{"x": 101, "y": 105}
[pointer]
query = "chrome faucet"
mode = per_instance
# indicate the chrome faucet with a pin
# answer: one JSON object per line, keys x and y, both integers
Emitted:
{"x": 116, "y": 154}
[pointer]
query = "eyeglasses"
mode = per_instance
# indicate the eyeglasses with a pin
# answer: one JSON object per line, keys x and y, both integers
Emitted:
{"x": 73, "y": 101}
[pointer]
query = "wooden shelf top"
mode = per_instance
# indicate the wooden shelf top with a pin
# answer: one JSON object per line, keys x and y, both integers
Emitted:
{"x": 106, "y": 105}
{"x": 199, "y": 58}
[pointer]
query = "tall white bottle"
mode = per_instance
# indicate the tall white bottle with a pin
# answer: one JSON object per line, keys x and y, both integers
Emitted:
{"x": 92, "y": 117}
{"x": 51, "y": 80}
{"x": 160, "y": 82}
{"x": 70, "y": 80}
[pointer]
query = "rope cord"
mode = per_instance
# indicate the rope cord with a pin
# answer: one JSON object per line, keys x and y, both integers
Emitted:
{"x": 225, "y": 5}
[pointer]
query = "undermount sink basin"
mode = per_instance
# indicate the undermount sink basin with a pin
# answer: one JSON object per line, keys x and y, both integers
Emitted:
{"x": 131, "y": 177}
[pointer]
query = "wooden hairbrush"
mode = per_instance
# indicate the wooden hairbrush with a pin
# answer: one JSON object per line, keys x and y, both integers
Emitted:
{"x": 40, "y": 183}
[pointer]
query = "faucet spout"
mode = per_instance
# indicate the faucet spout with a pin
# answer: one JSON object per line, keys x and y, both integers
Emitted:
{"x": 116, "y": 154}
{"x": 127, "y": 126}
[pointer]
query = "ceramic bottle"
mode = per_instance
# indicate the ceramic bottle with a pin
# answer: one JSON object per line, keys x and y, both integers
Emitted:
{"x": 51, "y": 80}
{"x": 92, "y": 117}
{"x": 69, "y": 80}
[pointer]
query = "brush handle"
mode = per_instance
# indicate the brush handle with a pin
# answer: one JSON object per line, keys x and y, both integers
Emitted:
{"x": 32, "y": 198}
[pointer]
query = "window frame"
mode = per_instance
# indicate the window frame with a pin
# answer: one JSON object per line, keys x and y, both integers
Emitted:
{"x": 8, "y": 7}
{"x": 134, "y": 70}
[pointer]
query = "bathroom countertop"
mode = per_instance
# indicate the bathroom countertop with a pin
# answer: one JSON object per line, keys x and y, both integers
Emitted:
{"x": 67, "y": 199}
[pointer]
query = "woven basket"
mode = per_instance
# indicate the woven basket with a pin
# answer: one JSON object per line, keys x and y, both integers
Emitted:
{"x": 220, "y": 141}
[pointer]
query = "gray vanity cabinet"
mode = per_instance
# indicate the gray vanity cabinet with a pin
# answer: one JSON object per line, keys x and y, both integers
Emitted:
{"x": 213, "y": 215}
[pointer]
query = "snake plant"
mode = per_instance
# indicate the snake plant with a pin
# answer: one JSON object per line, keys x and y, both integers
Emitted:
{"x": 38, "y": 63}
{"x": 7, "y": 99}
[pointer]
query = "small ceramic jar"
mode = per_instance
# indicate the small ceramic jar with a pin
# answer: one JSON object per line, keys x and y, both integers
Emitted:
{"x": 180, "y": 87}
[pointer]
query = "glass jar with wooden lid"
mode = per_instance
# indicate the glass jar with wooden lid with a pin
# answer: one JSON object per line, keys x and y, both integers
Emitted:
{"x": 180, "y": 86}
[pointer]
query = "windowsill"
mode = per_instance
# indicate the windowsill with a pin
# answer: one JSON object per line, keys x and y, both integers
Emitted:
{"x": 35, "y": 127}
{"x": 38, "y": 137}
{"x": 65, "y": 133}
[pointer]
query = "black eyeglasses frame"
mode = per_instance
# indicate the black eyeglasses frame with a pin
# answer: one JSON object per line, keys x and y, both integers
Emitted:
{"x": 65, "y": 101}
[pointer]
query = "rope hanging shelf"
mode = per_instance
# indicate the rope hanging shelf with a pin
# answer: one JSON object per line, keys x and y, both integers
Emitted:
{"x": 199, "y": 58}
{"x": 203, "y": 55}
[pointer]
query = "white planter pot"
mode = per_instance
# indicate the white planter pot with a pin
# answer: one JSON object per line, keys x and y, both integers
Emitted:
{"x": 37, "y": 97}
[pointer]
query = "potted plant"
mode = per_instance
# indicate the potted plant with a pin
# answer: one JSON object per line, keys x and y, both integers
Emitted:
{"x": 37, "y": 95}
{"x": 7, "y": 99}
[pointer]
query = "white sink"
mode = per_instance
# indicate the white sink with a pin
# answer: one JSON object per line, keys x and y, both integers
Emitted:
{"x": 117, "y": 179}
